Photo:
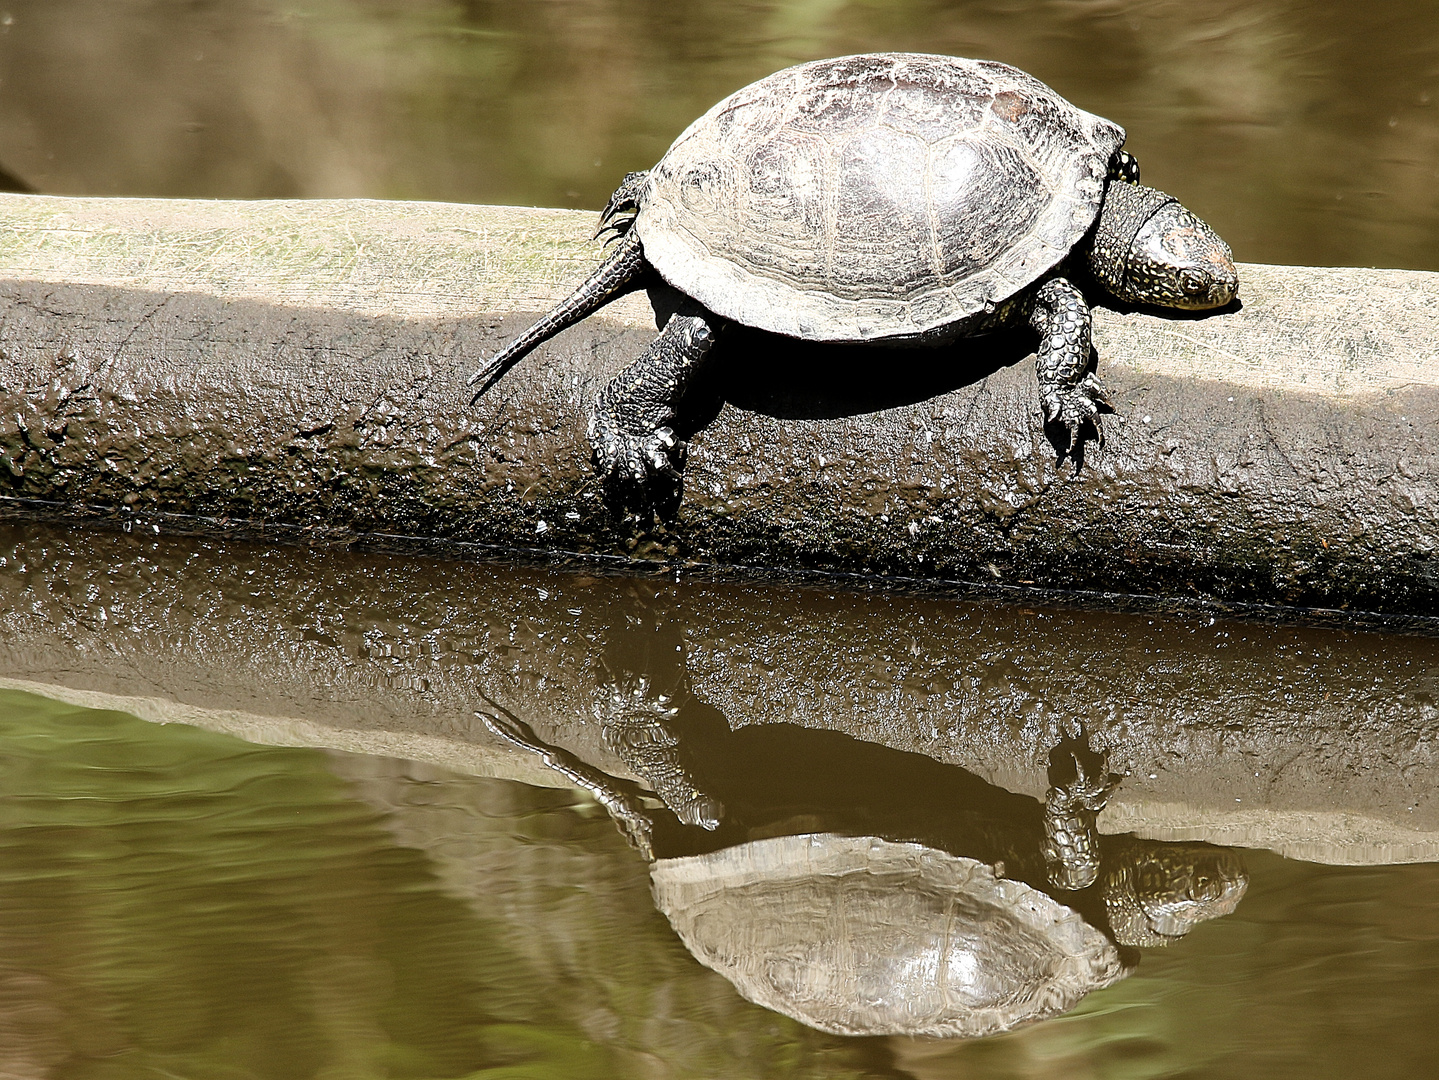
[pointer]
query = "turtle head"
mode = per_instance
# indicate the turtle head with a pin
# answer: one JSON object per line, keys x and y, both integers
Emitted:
{"x": 1148, "y": 249}
{"x": 1157, "y": 892}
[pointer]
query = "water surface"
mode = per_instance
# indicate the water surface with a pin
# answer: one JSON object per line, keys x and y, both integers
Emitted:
{"x": 175, "y": 902}
{"x": 1305, "y": 131}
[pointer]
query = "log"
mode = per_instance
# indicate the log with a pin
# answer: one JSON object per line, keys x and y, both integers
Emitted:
{"x": 1317, "y": 743}
{"x": 297, "y": 369}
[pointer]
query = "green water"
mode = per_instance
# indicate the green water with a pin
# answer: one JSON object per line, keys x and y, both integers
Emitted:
{"x": 179, "y": 903}
{"x": 1305, "y": 131}
{"x": 175, "y": 902}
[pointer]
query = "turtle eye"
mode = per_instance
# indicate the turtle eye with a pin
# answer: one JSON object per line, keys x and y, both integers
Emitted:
{"x": 1193, "y": 282}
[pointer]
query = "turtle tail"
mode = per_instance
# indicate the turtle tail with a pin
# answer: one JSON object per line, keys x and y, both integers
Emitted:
{"x": 624, "y": 264}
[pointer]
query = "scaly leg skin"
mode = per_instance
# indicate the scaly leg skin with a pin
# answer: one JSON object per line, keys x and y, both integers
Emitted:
{"x": 631, "y": 429}
{"x": 1071, "y": 842}
{"x": 637, "y": 727}
{"x": 1069, "y": 395}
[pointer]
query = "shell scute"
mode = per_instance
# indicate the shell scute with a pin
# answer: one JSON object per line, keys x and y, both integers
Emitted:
{"x": 875, "y": 196}
{"x": 702, "y": 185}
{"x": 787, "y": 182}
{"x": 1002, "y": 196}
{"x": 861, "y": 936}
{"x": 847, "y": 97}
{"x": 882, "y": 175}
{"x": 933, "y": 110}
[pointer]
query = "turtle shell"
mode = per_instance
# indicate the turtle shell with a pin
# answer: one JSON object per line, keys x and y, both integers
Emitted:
{"x": 862, "y": 936}
{"x": 875, "y": 196}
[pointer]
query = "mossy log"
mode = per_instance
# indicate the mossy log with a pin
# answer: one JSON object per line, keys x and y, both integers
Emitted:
{"x": 298, "y": 368}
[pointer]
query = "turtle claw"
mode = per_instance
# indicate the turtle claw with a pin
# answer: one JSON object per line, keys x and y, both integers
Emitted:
{"x": 643, "y": 467}
{"x": 662, "y": 450}
{"x": 1075, "y": 408}
{"x": 1090, "y": 789}
{"x": 639, "y": 833}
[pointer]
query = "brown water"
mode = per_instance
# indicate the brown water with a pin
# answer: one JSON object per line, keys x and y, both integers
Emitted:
{"x": 1305, "y": 131}
{"x": 174, "y": 901}
{"x": 177, "y": 902}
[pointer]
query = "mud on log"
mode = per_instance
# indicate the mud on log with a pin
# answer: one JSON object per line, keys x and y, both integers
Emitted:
{"x": 299, "y": 368}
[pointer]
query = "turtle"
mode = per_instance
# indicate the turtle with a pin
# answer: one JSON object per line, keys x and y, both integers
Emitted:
{"x": 878, "y": 935}
{"x": 865, "y": 936}
{"x": 897, "y": 199}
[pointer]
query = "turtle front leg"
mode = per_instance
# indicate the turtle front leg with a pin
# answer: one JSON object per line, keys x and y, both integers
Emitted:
{"x": 1071, "y": 841}
{"x": 1069, "y": 395}
{"x": 631, "y": 427}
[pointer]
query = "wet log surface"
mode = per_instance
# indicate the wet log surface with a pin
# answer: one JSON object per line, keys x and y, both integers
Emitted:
{"x": 1318, "y": 743}
{"x": 298, "y": 369}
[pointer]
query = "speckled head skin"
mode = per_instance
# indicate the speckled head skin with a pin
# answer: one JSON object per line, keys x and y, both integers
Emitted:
{"x": 1148, "y": 249}
{"x": 1156, "y": 893}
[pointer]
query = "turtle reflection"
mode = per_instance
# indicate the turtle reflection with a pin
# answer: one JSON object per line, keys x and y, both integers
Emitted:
{"x": 876, "y": 892}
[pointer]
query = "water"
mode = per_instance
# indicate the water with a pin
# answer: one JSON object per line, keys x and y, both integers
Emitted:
{"x": 369, "y": 886}
{"x": 177, "y": 901}
{"x": 1305, "y": 131}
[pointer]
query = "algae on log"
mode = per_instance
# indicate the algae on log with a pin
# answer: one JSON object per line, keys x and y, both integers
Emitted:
{"x": 300, "y": 367}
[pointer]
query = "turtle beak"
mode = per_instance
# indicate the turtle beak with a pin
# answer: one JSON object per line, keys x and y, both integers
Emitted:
{"x": 1206, "y": 276}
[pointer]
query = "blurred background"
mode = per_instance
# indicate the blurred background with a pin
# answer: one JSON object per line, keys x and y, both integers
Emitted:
{"x": 1306, "y": 131}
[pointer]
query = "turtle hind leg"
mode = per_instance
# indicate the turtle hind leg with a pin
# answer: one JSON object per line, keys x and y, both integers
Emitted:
{"x": 1070, "y": 395}
{"x": 637, "y": 725}
{"x": 631, "y": 425}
